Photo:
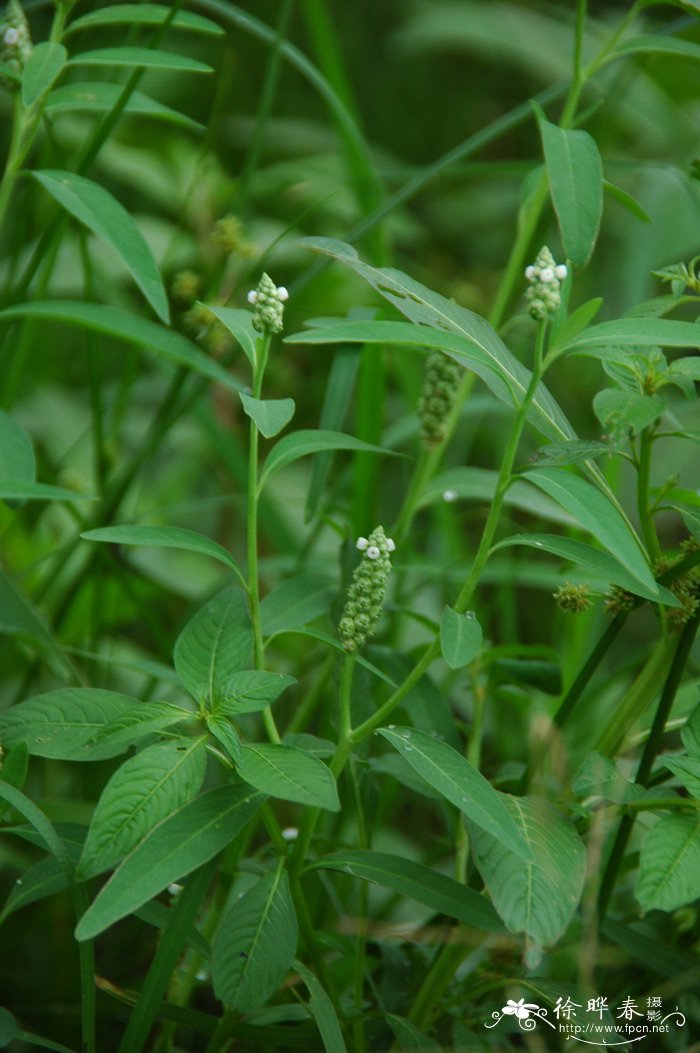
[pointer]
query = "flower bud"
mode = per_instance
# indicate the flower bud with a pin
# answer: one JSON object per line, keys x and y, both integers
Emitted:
{"x": 573, "y": 598}
{"x": 268, "y": 302}
{"x": 440, "y": 386}
{"x": 15, "y": 39}
{"x": 366, "y": 593}
{"x": 545, "y": 278}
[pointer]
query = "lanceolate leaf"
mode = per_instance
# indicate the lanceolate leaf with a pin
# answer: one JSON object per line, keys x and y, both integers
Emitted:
{"x": 251, "y": 691}
{"x": 162, "y": 537}
{"x": 575, "y": 173}
{"x": 539, "y": 897}
{"x": 322, "y": 1011}
{"x": 147, "y": 58}
{"x": 184, "y": 841}
{"x": 687, "y": 771}
{"x": 99, "y": 96}
{"x": 289, "y": 773}
{"x": 424, "y": 884}
{"x": 459, "y": 782}
{"x": 606, "y": 338}
{"x": 301, "y": 443}
{"x": 592, "y": 561}
{"x": 61, "y": 724}
{"x": 43, "y": 67}
{"x": 19, "y": 618}
{"x": 477, "y": 340}
{"x": 17, "y": 460}
{"x": 214, "y": 645}
{"x": 12, "y": 490}
{"x": 144, "y": 15}
{"x": 142, "y": 720}
{"x": 255, "y": 944}
{"x": 43, "y": 879}
{"x": 669, "y": 864}
{"x": 460, "y": 637}
{"x": 142, "y": 792}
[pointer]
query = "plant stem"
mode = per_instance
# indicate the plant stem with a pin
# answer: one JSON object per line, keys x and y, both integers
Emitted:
{"x": 646, "y": 521}
{"x": 647, "y": 761}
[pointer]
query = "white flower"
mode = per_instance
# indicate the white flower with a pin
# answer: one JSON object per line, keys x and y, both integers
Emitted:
{"x": 361, "y": 543}
{"x": 252, "y": 296}
{"x": 530, "y": 273}
{"x": 373, "y": 552}
{"x": 450, "y": 495}
{"x": 390, "y": 544}
{"x": 290, "y": 833}
{"x": 521, "y": 1008}
{"x": 561, "y": 271}
{"x": 282, "y": 294}
{"x": 175, "y": 889}
{"x": 546, "y": 275}
{"x": 11, "y": 37}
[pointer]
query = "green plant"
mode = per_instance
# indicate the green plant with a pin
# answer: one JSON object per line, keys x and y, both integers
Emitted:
{"x": 209, "y": 712}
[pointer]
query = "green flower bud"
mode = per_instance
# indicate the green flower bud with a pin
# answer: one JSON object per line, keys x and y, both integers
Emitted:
{"x": 573, "y": 598}
{"x": 440, "y": 386}
{"x": 366, "y": 592}
{"x": 15, "y": 39}
{"x": 268, "y": 301}
{"x": 186, "y": 286}
{"x": 545, "y": 277}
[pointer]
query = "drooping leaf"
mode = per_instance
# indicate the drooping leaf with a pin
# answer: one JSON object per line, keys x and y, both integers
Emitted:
{"x": 255, "y": 944}
{"x": 289, "y": 773}
{"x": 484, "y": 353}
{"x": 146, "y": 58}
{"x": 43, "y": 67}
{"x": 301, "y": 443}
{"x": 323, "y": 1011}
{"x": 215, "y": 644}
{"x": 122, "y": 325}
{"x": 460, "y": 637}
{"x": 107, "y": 218}
{"x": 593, "y": 561}
{"x": 144, "y": 15}
{"x": 656, "y": 43}
{"x": 460, "y": 783}
{"x": 627, "y": 200}
{"x": 61, "y": 724}
{"x": 423, "y": 884}
{"x": 100, "y": 97}
{"x": 142, "y": 792}
{"x": 270, "y": 415}
{"x": 297, "y": 601}
{"x": 184, "y": 841}
{"x": 162, "y": 537}
{"x": 669, "y": 864}
{"x": 575, "y": 173}
{"x": 251, "y": 691}
{"x": 539, "y": 897}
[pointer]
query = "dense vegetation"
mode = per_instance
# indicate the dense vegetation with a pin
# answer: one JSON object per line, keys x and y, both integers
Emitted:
{"x": 349, "y": 574}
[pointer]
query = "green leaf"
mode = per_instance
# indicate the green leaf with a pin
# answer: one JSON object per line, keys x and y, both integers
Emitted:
{"x": 61, "y": 724}
{"x": 424, "y": 884}
{"x": 101, "y": 97}
{"x": 668, "y": 961}
{"x": 599, "y": 776}
{"x": 301, "y": 443}
{"x": 653, "y": 42}
{"x": 605, "y": 339}
{"x": 251, "y": 691}
{"x": 595, "y": 513}
{"x": 225, "y": 733}
{"x": 669, "y": 864}
{"x": 255, "y": 944}
{"x": 8, "y": 1024}
{"x": 592, "y": 561}
{"x": 19, "y": 618}
{"x": 687, "y": 367}
{"x": 143, "y": 791}
{"x": 178, "y": 845}
{"x": 239, "y": 323}
{"x": 575, "y": 173}
{"x": 43, "y": 67}
{"x": 687, "y": 770}
{"x": 336, "y": 402}
{"x": 570, "y": 327}
{"x": 15, "y": 765}
{"x": 17, "y": 461}
{"x": 459, "y": 782}
{"x": 270, "y": 415}
{"x": 409, "y": 1038}
{"x": 101, "y": 213}
{"x": 322, "y": 1011}
{"x": 144, "y": 15}
{"x": 162, "y": 537}
{"x": 36, "y": 818}
{"x": 142, "y": 720}
{"x": 483, "y": 352}
{"x": 13, "y": 490}
{"x": 538, "y": 897}
{"x": 296, "y": 602}
{"x": 460, "y": 637}
{"x": 143, "y": 58}
{"x": 9, "y": 73}
{"x": 123, "y": 325}
{"x": 690, "y": 733}
{"x": 559, "y": 454}
{"x": 479, "y": 484}
{"x": 626, "y": 199}
{"x": 545, "y": 676}
{"x": 627, "y": 409}
{"x": 45, "y": 878}
{"x": 214, "y": 645}
{"x": 289, "y": 773}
